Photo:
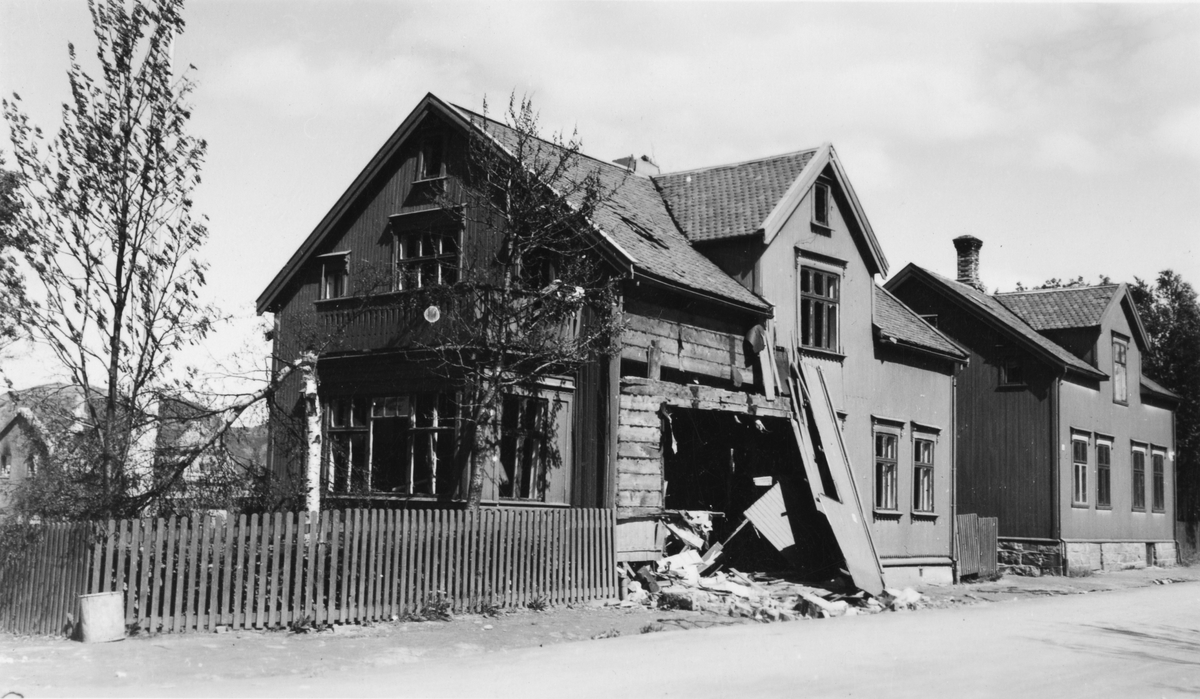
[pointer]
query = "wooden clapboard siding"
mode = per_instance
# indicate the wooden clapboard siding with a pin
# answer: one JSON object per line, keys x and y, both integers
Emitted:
{"x": 686, "y": 348}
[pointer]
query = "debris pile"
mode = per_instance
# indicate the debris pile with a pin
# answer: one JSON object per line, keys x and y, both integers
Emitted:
{"x": 693, "y": 581}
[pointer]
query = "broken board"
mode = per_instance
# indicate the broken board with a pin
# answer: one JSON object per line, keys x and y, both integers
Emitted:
{"x": 770, "y": 518}
{"x": 843, "y": 510}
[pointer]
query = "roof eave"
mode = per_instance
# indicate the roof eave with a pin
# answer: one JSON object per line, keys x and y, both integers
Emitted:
{"x": 764, "y": 311}
{"x": 268, "y": 298}
{"x": 987, "y": 317}
{"x": 884, "y": 337}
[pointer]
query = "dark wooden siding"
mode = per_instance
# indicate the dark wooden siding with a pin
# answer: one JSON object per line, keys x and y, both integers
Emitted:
{"x": 738, "y": 258}
{"x": 1078, "y": 341}
{"x": 1004, "y": 434}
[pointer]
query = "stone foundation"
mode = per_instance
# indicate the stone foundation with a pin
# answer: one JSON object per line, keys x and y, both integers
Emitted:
{"x": 1085, "y": 558}
{"x": 1030, "y": 558}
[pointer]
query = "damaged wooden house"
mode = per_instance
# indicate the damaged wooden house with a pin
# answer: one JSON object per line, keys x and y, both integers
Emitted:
{"x": 757, "y": 354}
{"x": 1060, "y": 433}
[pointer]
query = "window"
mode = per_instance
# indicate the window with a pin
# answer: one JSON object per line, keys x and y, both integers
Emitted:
{"x": 922, "y": 475}
{"x": 1139, "y": 478}
{"x": 425, "y": 258}
{"x": 1103, "y": 473}
{"x": 1079, "y": 456}
{"x": 819, "y": 309}
{"x": 335, "y": 275}
{"x": 1012, "y": 373}
{"x": 1120, "y": 373}
{"x": 885, "y": 470}
{"x": 1158, "y": 463}
{"x": 432, "y": 162}
{"x": 523, "y": 448}
{"x": 397, "y": 444}
{"x": 821, "y": 205}
{"x": 6, "y": 462}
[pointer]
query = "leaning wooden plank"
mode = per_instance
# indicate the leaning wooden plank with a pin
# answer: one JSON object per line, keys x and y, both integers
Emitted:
{"x": 846, "y": 516}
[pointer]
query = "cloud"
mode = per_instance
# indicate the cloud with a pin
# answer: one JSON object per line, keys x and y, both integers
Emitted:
{"x": 1070, "y": 151}
{"x": 1178, "y": 133}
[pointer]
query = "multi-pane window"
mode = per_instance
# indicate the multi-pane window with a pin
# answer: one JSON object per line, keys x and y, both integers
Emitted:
{"x": 819, "y": 308}
{"x": 349, "y": 438}
{"x": 1139, "y": 478}
{"x": 1158, "y": 464}
{"x": 432, "y": 159}
{"x": 5, "y": 462}
{"x": 821, "y": 205}
{"x": 1120, "y": 374}
{"x": 335, "y": 275}
{"x": 1103, "y": 474}
{"x": 523, "y": 447}
{"x": 1079, "y": 457}
{"x": 398, "y": 444}
{"x": 885, "y": 470}
{"x": 425, "y": 258}
{"x": 922, "y": 475}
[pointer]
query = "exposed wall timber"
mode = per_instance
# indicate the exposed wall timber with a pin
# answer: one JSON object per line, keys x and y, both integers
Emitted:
{"x": 640, "y": 433}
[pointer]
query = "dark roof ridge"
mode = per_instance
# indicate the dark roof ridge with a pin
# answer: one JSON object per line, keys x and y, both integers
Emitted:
{"x": 1059, "y": 289}
{"x": 751, "y": 161}
{"x": 579, "y": 152}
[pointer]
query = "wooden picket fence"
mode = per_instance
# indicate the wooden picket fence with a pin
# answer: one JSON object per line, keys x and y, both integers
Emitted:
{"x": 273, "y": 570}
{"x": 45, "y": 569}
{"x": 976, "y": 541}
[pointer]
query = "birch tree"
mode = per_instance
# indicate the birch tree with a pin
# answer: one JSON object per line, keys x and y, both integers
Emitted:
{"x": 113, "y": 274}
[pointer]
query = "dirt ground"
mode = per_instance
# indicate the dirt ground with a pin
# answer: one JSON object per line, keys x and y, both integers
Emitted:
{"x": 47, "y": 667}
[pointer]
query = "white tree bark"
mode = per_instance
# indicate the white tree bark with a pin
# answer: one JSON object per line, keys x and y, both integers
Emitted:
{"x": 312, "y": 415}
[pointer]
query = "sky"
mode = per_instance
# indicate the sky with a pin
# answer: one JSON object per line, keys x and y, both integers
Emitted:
{"x": 1065, "y": 136}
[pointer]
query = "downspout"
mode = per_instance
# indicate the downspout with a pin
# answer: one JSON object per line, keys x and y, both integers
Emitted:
{"x": 1056, "y": 506}
{"x": 954, "y": 474}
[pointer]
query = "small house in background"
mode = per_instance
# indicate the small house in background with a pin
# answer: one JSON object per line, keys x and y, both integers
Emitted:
{"x": 758, "y": 350}
{"x": 1060, "y": 434}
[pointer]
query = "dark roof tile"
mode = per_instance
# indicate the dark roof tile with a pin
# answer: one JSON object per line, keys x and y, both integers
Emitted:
{"x": 637, "y": 220}
{"x": 728, "y": 201}
{"x": 1058, "y": 309}
{"x": 896, "y": 320}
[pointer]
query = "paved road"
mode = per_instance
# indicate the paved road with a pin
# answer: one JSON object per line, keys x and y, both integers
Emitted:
{"x": 1134, "y": 643}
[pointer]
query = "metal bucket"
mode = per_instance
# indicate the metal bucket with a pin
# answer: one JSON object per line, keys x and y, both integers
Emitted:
{"x": 101, "y": 617}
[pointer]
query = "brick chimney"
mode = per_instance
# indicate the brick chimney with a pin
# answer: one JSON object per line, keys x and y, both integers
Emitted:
{"x": 968, "y": 260}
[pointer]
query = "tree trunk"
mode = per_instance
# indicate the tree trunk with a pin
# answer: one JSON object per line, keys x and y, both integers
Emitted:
{"x": 312, "y": 417}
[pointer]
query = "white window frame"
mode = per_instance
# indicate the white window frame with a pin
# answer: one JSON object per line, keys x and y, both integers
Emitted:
{"x": 1107, "y": 444}
{"x": 1120, "y": 379}
{"x": 924, "y": 472}
{"x": 335, "y": 275}
{"x": 831, "y": 305}
{"x": 1079, "y": 469}
{"x": 1158, "y": 479}
{"x": 886, "y": 468}
{"x": 1135, "y": 449}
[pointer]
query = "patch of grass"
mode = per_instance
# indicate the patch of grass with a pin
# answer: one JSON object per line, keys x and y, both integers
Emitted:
{"x": 491, "y": 608}
{"x": 611, "y": 633}
{"x": 539, "y": 604}
{"x": 436, "y": 608}
{"x": 652, "y": 628}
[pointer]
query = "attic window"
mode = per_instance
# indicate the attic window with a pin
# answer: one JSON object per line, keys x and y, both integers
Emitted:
{"x": 820, "y": 213}
{"x": 1120, "y": 370}
{"x": 335, "y": 275}
{"x": 643, "y": 231}
{"x": 1012, "y": 372}
{"x": 431, "y": 161}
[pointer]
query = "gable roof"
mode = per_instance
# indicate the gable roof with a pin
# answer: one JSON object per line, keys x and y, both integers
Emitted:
{"x": 730, "y": 201}
{"x": 759, "y": 196}
{"x": 1058, "y": 309}
{"x": 999, "y": 316}
{"x": 635, "y": 222}
{"x": 899, "y": 323}
{"x": 1072, "y": 307}
{"x": 635, "y": 219}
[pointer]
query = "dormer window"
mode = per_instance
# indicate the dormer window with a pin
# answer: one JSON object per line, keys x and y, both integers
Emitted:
{"x": 335, "y": 275}
{"x": 431, "y": 161}
{"x": 1120, "y": 370}
{"x": 820, "y": 213}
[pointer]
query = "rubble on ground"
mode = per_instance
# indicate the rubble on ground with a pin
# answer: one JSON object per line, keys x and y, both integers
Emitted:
{"x": 692, "y": 581}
